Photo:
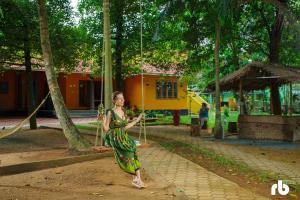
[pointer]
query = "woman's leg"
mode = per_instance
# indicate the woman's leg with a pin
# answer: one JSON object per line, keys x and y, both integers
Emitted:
{"x": 201, "y": 123}
{"x": 134, "y": 177}
{"x": 138, "y": 174}
{"x": 137, "y": 181}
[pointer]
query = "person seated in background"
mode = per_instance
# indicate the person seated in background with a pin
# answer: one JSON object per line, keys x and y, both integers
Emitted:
{"x": 225, "y": 117}
{"x": 203, "y": 115}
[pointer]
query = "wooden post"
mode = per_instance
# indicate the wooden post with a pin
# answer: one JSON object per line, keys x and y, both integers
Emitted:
{"x": 274, "y": 97}
{"x": 291, "y": 99}
{"x": 241, "y": 98}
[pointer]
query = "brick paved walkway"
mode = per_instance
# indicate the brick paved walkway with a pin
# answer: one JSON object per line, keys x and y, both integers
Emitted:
{"x": 189, "y": 178}
{"x": 255, "y": 161}
{"x": 195, "y": 181}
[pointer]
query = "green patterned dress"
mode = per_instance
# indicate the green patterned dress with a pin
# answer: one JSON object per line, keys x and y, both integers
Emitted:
{"x": 123, "y": 145}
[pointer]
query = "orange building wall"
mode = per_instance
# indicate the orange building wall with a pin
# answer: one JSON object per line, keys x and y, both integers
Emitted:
{"x": 72, "y": 90}
{"x": 62, "y": 85}
{"x": 69, "y": 84}
{"x": 7, "y": 101}
{"x": 133, "y": 94}
{"x": 42, "y": 86}
{"x": 24, "y": 92}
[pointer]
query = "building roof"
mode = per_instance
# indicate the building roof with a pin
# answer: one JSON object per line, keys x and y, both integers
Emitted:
{"x": 257, "y": 76}
{"x": 38, "y": 65}
{"x": 153, "y": 70}
{"x": 171, "y": 70}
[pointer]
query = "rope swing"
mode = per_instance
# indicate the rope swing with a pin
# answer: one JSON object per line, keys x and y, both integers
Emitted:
{"x": 101, "y": 109}
{"x": 8, "y": 132}
{"x": 142, "y": 124}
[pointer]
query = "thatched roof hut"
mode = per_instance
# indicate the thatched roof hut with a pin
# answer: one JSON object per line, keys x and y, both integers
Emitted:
{"x": 257, "y": 76}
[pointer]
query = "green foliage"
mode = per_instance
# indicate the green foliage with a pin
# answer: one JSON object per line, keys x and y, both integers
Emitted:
{"x": 174, "y": 32}
{"x": 162, "y": 53}
{"x": 65, "y": 38}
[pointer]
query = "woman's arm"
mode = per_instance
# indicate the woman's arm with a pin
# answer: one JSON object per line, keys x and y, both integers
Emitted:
{"x": 134, "y": 122}
{"x": 106, "y": 121}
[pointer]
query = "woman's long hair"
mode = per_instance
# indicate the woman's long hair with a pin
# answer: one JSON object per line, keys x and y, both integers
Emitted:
{"x": 114, "y": 98}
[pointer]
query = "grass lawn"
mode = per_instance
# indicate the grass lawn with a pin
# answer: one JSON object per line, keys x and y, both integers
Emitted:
{"x": 186, "y": 119}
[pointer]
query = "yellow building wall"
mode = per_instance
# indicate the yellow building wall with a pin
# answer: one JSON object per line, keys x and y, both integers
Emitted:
{"x": 133, "y": 93}
{"x": 194, "y": 102}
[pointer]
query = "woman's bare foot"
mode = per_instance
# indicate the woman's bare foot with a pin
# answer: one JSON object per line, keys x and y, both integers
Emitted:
{"x": 142, "y": 184}
{"x": 138, "y": 183}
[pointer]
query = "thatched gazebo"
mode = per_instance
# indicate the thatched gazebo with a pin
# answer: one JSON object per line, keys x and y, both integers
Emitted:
{"x": 258, "y": 76}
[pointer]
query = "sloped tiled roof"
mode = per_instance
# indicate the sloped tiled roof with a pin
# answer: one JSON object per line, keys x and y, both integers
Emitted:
{"x": 86, "y": 68}
{"x": 150, "y": 69}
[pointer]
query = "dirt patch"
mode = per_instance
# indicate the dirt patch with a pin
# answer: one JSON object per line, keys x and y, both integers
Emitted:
{"x": 33, "y": 140}
{"x": 282, "y": 155}
{"x": 25, "y": 157}
{"x": 100, "y": 179}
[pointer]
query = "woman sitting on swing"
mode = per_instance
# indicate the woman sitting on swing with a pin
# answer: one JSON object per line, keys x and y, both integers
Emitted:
{"x": 115, "y": 124}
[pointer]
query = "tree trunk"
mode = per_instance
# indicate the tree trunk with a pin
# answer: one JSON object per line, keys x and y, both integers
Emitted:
{"x": 291, "y": 100}
{"x": 107, "y": 47}
{"x": 75, "y": 141}
{"x": 235, "y": 59}
{"x": 243, "y": 107}
{"x": 275, "y": 99}
{"x": 30, "y": 96}
{"x": 274, "y": 50}
{"x": 218, "y": 131}
{"x": 119, "y": 38}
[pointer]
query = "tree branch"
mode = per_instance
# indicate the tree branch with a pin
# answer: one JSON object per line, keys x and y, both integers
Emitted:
{"x": 265, "y": 21}
{"x": 160, "y": 19}
{"x": 282, "y": 7}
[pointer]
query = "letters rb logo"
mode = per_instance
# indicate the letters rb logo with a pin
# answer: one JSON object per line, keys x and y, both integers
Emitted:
{"x": 282, "y": 188}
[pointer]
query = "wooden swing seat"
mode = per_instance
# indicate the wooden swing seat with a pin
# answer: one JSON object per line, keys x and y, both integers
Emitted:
{"x": 144, "y": 145}
{"x": 102, "y": 149}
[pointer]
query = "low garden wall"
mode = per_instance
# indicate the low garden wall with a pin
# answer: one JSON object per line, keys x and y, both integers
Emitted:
{"x": 269, "y": 127}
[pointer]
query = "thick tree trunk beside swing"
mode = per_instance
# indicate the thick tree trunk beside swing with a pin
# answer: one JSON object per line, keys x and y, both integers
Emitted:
{"x": 27, "y": 55}
{"x": 70, "y": 131}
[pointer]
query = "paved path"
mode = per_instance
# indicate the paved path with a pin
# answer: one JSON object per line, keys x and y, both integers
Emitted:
{"x": 255, "y": 161}
{"x": 11, "y": 122}
{"x": 188, "y": 177}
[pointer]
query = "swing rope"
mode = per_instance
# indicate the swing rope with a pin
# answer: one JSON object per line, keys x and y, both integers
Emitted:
{"x": 142, "y": 124}
{"x": 101, "y": 106}
{"x": 21, "y": 124}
